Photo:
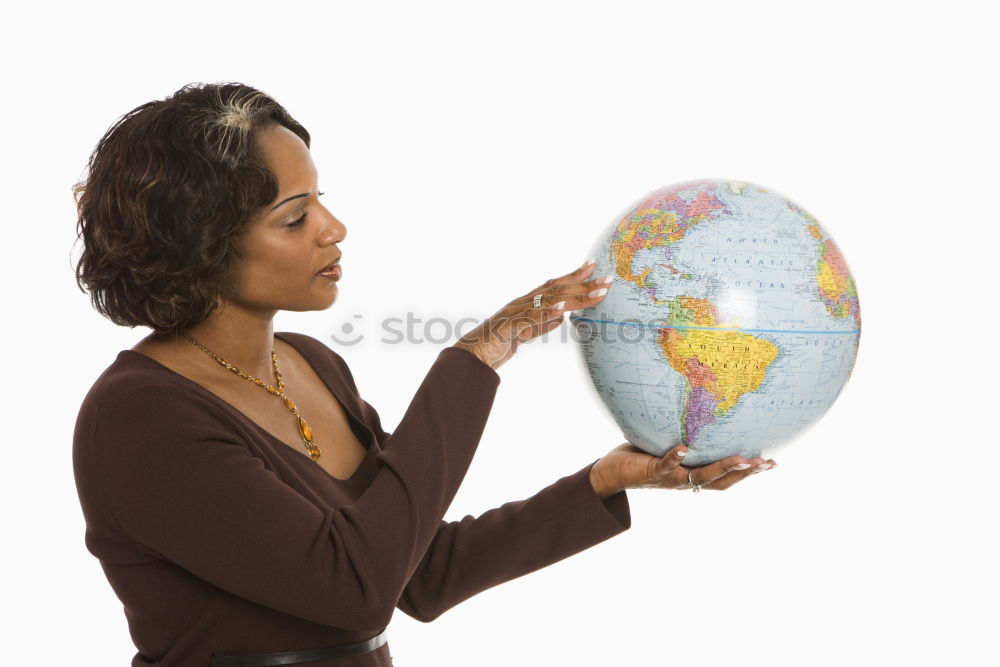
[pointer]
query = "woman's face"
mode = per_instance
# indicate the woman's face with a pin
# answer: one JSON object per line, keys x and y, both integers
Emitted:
{"x": 283, "y": 252}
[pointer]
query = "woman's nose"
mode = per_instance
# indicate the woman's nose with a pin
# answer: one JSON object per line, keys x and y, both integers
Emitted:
{"x": 335, "y": 230}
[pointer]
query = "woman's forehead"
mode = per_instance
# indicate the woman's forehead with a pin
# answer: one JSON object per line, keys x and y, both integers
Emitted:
{"x": 288, "y": 158}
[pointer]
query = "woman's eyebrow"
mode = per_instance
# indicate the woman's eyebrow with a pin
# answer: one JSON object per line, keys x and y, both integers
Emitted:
{"x": 284, "y": 201}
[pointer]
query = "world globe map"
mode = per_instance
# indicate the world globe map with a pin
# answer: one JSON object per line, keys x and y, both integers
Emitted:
{"x": 731, "y": 324}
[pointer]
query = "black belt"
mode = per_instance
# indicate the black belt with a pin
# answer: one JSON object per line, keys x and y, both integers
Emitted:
{"x": 297, "y": 657}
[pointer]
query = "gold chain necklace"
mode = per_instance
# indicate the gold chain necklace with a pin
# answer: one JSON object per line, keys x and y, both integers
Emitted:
{"x": 304, "y": 430}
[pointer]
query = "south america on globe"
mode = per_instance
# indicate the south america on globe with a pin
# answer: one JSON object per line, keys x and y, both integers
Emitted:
{"x": 731, "y": 324}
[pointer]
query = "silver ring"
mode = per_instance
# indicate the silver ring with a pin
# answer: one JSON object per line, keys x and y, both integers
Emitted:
{"x": 537, "y": 301}
{"x": 694, "y": 487}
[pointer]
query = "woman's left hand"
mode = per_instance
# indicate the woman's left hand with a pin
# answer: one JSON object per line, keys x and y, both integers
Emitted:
{"x": 628, "y": 467}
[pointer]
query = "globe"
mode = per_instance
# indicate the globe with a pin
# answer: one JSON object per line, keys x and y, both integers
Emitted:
{"x": 731, "y": 323}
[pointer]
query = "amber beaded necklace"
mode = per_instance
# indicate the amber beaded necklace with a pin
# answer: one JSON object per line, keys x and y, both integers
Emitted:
{"x": 304, "y": 430}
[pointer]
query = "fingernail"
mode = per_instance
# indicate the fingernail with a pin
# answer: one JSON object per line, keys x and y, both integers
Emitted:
{"x": 764, "y": 466}
{"x": 598, "y": 292}
{"x": 559, "y": 305}
{"x": 604, "y": 280}
{"x": 681, "y": 453}
{"x": 741, "y": 466}
{"x": 589, "y": 262}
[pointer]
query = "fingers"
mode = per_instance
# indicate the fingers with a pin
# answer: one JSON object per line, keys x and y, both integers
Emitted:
{"x": 664, "y": 472}
{"x": 527, "y": 317}
{"x": 580, "y": 273}
{"x": 723, "y": 474}
{"x": 532, "y": 322}
{"x": 578, "y": 289}
{"x": 670, "y": 461}
{"x": 575, "y": 276}
{"x": 707, "y": 474}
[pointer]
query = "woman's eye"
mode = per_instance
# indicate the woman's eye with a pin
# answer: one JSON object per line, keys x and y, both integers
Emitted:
{"x": 298, "y": 223}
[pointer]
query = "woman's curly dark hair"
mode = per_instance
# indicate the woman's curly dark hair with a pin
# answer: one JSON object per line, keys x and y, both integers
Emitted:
{"x": 169, "y": 189}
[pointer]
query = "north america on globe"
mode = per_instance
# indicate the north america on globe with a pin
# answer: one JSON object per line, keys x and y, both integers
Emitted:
{"x": 731, "y": 325}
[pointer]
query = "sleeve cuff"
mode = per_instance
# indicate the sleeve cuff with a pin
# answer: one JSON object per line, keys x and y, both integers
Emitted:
{"x": 469, "y": 359}
{"x": 613, "y": 512}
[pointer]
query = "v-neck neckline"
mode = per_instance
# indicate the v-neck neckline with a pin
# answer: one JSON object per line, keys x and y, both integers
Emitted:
{"x": 371, "y": 438}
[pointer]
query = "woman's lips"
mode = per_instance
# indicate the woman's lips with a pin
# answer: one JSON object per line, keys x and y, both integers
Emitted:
{"x": 333, "y": 273}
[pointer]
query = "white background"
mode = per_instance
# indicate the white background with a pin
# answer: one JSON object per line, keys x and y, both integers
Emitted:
{"x": 475, "y": 150}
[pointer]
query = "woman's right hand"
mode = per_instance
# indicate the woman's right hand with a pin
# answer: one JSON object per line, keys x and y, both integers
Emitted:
{"x": 628, "y": 467}
{"x": 496, "y": 339}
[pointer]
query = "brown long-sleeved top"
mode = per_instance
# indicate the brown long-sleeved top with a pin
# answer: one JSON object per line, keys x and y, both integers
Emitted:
{"x": 218, "y": 538}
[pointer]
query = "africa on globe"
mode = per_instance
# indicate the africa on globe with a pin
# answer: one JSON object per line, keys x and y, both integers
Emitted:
{"x": 731, "y": 325}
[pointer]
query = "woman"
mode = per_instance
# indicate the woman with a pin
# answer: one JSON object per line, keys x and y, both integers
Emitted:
{"x": 243, "y": 499}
